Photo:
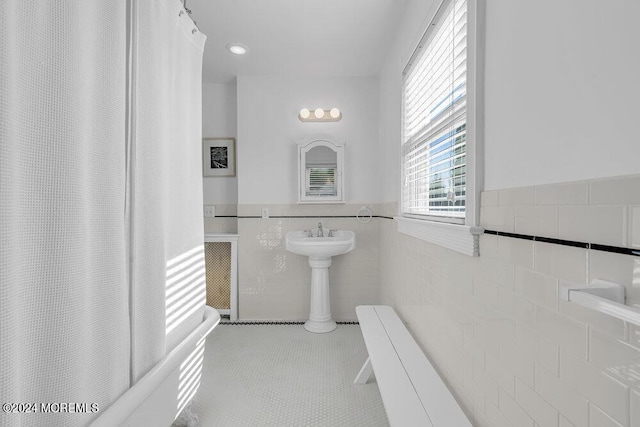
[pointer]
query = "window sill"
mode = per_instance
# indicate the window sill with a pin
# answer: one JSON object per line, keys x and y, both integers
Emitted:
{"x": 459, "y": 238}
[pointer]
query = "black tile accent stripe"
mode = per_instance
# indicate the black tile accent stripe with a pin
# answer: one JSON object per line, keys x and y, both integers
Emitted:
{"x": 562, "y": 242}
{"x": 584, "y": 245}
{"x": 575, "y": 244}
{"x": 275, "y": 322}
{"x": 304, "y": 216}
{"x": 298, "y": 216}
{"x": 518, "y": 236}
{"x": 615, "y": 249}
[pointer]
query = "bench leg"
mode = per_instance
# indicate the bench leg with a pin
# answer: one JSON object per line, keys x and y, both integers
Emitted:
{"x": 365, "y": 373}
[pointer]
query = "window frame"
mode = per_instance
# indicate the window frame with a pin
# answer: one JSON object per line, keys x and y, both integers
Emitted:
{"x": 455, "y": 233}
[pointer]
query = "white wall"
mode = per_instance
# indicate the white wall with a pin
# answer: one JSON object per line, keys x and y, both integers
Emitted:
{"x": 559, "y": 107}
{"x": 273, "y": 283}
{"x": 561, "y": 92}
{"x": 268, "y": 128}
{"x": 219, "y": 121}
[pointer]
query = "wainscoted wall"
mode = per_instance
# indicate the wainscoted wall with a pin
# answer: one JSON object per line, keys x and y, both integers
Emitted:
{"x": 513, "y": 352}
{"x": 225, "y": 221}
{"x": 274, "y": 284}
{"x": 219, "y": 120}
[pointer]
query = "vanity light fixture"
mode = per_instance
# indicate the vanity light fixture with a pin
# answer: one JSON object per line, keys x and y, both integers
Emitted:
{"x": 320, "y": 115}
{"x": 237, "y": 48}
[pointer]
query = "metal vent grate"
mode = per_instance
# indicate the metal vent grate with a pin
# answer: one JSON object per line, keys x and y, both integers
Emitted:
{"x": 217, "y": 256}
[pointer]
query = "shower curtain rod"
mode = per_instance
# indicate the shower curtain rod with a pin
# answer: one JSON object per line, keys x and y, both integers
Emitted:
{"x": 184, "y": 5}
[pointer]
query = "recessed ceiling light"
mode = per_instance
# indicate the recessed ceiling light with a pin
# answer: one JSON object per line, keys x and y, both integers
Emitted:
{"x": 237, "y": 48}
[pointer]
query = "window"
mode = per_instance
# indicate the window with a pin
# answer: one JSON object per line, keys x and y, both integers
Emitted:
{"x": 434, "y": 128}
{"x": 440, "y": 148}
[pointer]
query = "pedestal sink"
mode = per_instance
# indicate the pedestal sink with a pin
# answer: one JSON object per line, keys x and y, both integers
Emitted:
{"x": 320, "y": 250}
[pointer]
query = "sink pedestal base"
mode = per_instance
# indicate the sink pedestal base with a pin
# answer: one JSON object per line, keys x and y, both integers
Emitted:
{"x": 320, "y": 320}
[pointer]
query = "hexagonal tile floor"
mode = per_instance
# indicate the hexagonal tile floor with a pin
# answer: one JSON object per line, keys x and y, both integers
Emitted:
{"x": 282, "y": 375}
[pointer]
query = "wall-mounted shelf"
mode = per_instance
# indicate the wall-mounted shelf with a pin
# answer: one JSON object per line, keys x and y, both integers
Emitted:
{"x": 604, "y": 297}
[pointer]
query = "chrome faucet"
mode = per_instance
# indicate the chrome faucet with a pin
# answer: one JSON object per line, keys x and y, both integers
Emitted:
{"x": 320, "y": 232}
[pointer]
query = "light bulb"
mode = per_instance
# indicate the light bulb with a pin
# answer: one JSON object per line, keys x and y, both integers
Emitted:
{"x": 319, "y": 113}
{"x": 334, "y": 113}
{"x": 304, "y": 113}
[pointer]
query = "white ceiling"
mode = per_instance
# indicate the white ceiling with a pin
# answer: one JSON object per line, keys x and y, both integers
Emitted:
{"x": 295, "y": 37}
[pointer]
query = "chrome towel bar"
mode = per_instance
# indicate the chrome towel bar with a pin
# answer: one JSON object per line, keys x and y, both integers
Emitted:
{"x": 604, "y": 297}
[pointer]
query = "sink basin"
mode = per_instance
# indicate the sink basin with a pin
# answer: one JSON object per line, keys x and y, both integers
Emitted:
{"x": 341, "y": 242}
{"x": 320, "y": 250}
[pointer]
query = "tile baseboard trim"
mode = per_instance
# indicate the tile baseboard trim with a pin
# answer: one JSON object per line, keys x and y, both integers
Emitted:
{"x": 295, "y": 216}
{"x": 273, "y": 322}
{"x": 305, "y": 216}
{"x": 584, "y": 245}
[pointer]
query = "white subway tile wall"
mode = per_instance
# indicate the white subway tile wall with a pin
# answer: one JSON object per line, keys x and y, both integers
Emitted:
{"x": 620, "y": 269}
{"x": 513, "y": 353}
{"x": 542, "y": 412}
{"x": 570, "y": 193}
{"x": 635, "y": 408}
{"x": 593, "y": 319}
{"x": 602, "y": 211}
{"x": 511, "y": 350}
{"x": 634, "y": 218}
{"x": 564, "y": 262}
{"x": 597, "y": 417}
{"x": 615, "y": 191}
{"x": 610, "y": 395}
{"x": 536, "y": 220}
{"x": 498, "y": 218}
{"x": 274, "y": 284}
{"x": 523, "y": 196}
{"x": 594, "y": 224}
{"x": 225, "y": 221}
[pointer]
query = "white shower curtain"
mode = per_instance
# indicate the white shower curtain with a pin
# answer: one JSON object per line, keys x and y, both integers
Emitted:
{"x": 167, "y": 235}
{"x": 101, "y": 269}
{"x": 64, "y": 300}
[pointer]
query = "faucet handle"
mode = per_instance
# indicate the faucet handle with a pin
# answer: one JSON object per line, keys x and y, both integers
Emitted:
{"x": 331, "y": 232}
{"x": 308, "y": 232}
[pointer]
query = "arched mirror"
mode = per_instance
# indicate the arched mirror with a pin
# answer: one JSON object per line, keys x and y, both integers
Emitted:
{"x": 320, "y": 177}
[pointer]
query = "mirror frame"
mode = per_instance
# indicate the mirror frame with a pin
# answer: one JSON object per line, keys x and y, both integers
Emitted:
{"x": 303, "y": 148}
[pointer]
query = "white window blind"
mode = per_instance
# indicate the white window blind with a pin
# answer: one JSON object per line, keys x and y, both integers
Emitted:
{"x": 434, "y": 119}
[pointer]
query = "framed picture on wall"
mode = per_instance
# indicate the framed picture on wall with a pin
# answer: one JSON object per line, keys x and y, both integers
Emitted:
{"x": 219, "y": 156}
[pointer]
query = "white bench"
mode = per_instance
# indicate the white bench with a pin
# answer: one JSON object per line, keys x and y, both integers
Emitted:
{"x": 412, "y": 392}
